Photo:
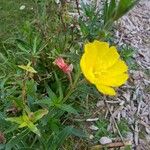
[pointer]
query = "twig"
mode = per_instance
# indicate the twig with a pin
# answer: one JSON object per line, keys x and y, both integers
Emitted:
{"x": 77, "y": 4}
{"x": 114, "y": 120}
{"x": 136, "y": 134}
{"x": 111, "y": 145}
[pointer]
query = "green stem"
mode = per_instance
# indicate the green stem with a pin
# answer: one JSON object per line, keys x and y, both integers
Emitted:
{"x": 71, "y": 90}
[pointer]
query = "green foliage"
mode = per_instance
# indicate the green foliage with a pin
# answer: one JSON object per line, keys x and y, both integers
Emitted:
{"x": 127, "y": 54}
{"x": 114, "y": 10}
{"x": 14, "y": 141}
{"x": 91, "y": 23}
{"x": 102, "y": 131}
{"x": 29, "y": 120}
{"x": 123, "y": 127}
{"x": 96, "y": 23}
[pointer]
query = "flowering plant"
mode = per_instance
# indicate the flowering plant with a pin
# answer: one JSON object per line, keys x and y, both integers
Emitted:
{"x": 103, "y": 67}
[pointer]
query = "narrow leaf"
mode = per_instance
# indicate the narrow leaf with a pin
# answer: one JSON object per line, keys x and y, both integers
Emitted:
{"x": 15, "y": 140}
{"x": 68, "y": 108}
{"x": 18, "y": 120}
{"x": 60, "y": 138}
{"x": 51, "y": 94}
{"x": 39, "y": 114}
{"x": 59, "y": 86}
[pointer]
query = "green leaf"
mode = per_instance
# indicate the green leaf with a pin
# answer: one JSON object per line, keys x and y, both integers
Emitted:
{"x": 59, "y": 86}
{"x": 18, "y": 120}
{"x": 54, "y": 125}
{"x": 114, "y": 10}
{"x": 15, "y": 140}
{"x": 111, "y": 9}
{"x": 17, "y": 100}
{"x": 46, "y": 101}
{"x": 33, "y": 128}
{"x": 28, "y": 121}
{"x": 27, "y": 68}
{"x": 124, "y": 6}
{"x": 11, "y": 128}
{"x": 31, "y": 87}
{"x": 62, "y": 135}
{"x": 2, "y": 146}
{"x": 78, "y": 133}
{"x": 23, "y": 48}
{"x": 109, "y": 13}
{"x": 105, "y": 12}
{"x": 29, "y": 124}
{"x": 60, "y": 138}
{"x": 39, "y": 114}
{"x": 68, "y": 108}
{"x": 51, "y": 94}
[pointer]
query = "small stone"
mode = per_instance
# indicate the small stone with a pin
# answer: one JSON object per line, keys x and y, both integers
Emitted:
{"x": 147, "y": 130}
{"x": 92, "y": 127}
{"x": 121, "y": 103}
{"x": 100, "y": 104}
{"x": 92, "y": 119}
{"x": 57, "y": 1}
{"x": 22, "y": 7}
{"x": 91, "y": 137}
{"x": 127, "y": 96}
{"x": 105, "y": 140}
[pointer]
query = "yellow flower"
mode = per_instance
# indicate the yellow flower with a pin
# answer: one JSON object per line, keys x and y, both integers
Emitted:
{"x": 102, "y": 66}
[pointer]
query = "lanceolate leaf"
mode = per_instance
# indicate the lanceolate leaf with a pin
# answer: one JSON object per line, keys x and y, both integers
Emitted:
{"x": 123, "y": 7}
{"x": 15, "y": 140}
{"x": 27, "y": 68}
{"x": 59, "y": 139}
{"x": 33, "y": 128}
{"x": 114, "y": 10}
{"x": 18, "y": 120}
{"x": 62, "y": 135}
{"x": 29, "y": 120}
{"x": 39, "y": 114}
{"x": 50, "y": 93}
{"x": 59, "y": 86}
{"x": 68, "y": 108}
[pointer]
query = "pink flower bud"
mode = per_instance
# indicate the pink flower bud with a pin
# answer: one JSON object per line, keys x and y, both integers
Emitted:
{"x": 63, "y": 66}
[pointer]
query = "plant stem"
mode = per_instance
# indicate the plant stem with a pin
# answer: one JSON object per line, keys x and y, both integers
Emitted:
{"x": 23, "y": 95}
{"x": 71, "y": 90}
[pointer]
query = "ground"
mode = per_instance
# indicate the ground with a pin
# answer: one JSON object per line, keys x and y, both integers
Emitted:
{"x": 134, "y": 29}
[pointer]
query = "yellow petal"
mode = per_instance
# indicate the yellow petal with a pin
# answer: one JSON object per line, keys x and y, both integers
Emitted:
{"x": 110, "y": 58}
{"x": 118, "y": 68}
{"x": 90, "y": 54}
{"x": 102, "y": 47}
{"x": 87, "y": 70}
{"x": 94, "y": 51}
{"x": 113, "y": 81}
{"x": 106, "y": 90}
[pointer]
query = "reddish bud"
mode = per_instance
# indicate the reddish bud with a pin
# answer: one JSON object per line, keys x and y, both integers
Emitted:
{"x": 63, "y": 66}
